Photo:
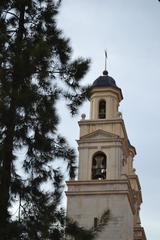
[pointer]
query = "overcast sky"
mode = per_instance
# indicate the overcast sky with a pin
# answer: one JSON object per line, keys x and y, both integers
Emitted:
{"x": 130, "y": 31}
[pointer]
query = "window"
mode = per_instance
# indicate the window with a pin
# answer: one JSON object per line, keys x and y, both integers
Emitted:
{"x": 102, "y": 109}
{"x": 99, "y": 166}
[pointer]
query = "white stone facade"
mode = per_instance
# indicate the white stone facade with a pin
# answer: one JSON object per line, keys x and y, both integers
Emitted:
{"x": 119, "y": 189}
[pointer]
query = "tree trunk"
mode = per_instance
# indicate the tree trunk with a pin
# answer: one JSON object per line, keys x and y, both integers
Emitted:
{"x": 5, "y": 178}
{"x": 8, "y": 144}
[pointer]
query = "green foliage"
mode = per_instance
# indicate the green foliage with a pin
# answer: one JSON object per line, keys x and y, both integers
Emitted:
{"x": 79, "y": 233}
{"x": 36, "y": 68}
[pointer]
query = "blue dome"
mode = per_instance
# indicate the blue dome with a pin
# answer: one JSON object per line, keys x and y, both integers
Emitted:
{"x": 104, "y": 81}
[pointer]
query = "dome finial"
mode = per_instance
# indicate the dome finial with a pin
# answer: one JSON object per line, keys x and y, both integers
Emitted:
{"x": 105, "y": 72}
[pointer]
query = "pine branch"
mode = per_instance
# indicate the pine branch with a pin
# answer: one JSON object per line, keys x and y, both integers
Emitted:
{"x": 79, "y": 233}
{"x": 11, "y": 13}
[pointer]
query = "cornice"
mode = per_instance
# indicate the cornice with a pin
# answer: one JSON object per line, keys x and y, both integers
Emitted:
{"x": 120, "y": 140}
{"x": 96, "y": 182}
{"x": 101, "y": 147}
{"x": 117, "y": 91}
{"x": 83, "y": 192}
{"x": 100, "y": 121}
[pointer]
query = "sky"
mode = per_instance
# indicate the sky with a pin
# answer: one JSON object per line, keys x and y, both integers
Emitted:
{"x": 130, "y": 31}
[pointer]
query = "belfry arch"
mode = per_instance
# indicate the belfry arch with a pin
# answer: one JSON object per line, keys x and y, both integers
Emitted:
{"x": 99, "y": 164}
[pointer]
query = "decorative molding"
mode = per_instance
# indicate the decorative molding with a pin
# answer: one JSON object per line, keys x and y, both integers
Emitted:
{"x": 139, "y": 233}
{"x": 79, "y": 192}
{"x": 101, "y": 121}
{"x": 99, "y": 141}
{"x": 96, "y": 147}
{"x": 135, "y": 177}
{"x": 137, "y": 192}
{"x": 88, "y": 147}
{"x": 97, "y": 182}
{"x": 99, "y": 133}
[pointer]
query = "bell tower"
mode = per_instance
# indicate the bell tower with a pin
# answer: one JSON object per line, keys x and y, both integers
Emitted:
{"x": 106, "y": 177}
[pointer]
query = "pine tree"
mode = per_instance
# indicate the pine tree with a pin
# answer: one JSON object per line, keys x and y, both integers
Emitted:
{"x": 36, "y": 68}
{"x": 79, "y": 233}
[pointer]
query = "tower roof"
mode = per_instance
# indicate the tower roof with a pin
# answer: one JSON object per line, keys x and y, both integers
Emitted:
{"x": 104, "y": 81}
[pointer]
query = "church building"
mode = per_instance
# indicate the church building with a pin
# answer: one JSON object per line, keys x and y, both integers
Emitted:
{"x": 106, "y": 176}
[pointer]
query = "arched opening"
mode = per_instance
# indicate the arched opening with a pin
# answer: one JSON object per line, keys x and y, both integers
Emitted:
{"x": 102, "y": 109}
{"x": 99, "y": 163}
